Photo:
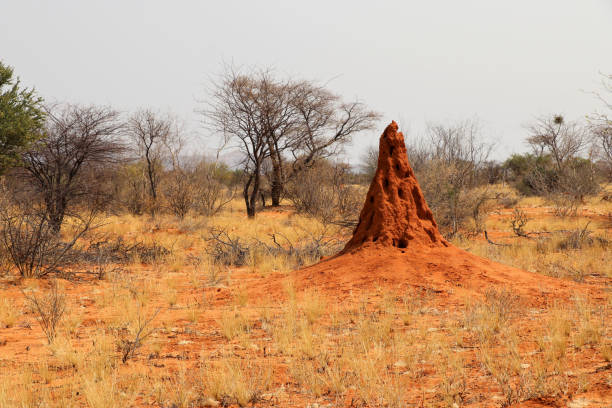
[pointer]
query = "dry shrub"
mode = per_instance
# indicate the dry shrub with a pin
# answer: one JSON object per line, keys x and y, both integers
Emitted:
{"x": 576, "y": 239}
{"x": 226, "y": 249}
{"x": 202, "y": 188}
{"x": 455, "y": 202}
{"x": 179, "y": 193}
{"x": 117, "y": 250}
{"x": 32, "y": 244}
{"x": 501, "y": 302}
{"x": 133, "y": 333}
{"x": 216, "y": 274}
{"x": 49, "y": 309}
{"x": 508, "y": 199}
{"x": 489, "y": 317}
{"x": 323, "y": 192}
{"x": 311, "y": 248}
{"x": 565, "y": 188}
{"x": 212, "y": 188}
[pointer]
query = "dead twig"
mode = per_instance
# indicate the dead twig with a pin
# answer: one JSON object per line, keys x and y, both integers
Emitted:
{"x": 493, "y": 243}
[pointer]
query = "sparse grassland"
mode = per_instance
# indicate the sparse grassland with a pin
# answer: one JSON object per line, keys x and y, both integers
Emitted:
{"x": 175, "y": 327}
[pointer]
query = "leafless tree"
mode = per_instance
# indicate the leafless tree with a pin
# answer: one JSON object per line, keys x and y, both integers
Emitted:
{"x": 601, "y": 123}
{"x": 561, "y": 139}
{"x": 234, "y": 112}
{"x": 291, "y": 124}
{"x": 325, "y": 123}
{"x": 152, "y": 133}
{"x": 369, "y": 162}
{"x": 447, "y": 163}
{"x": 77, "y": 140}
{"x": 573, "y": 177}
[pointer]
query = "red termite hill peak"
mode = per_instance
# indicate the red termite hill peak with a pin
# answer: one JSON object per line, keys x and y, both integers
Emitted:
{"x": 395, "y": 213}
{"x": 397, "y": 244}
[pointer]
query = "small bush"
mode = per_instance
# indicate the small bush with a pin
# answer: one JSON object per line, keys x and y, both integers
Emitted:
{"x": 576, "y": 239}
{"x": 49, "y": 309}
{"x": 132, "y": 336}
{"x": 120, "y": 251}
{"x": 33, "y": 245}
{"x": 508, "y": 200}
{"x": 225, "y": 249}
{"x": 324, "y": 193}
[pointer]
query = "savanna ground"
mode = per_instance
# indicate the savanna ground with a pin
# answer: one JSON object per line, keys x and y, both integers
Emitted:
{"x": 162, "y": 321}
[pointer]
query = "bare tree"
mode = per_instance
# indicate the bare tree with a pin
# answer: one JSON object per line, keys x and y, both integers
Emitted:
{"x": 369, "y": 162}
{"x": 234, "y": 112}
{"x": 603, "y": 138}
{"x": 561, "y": 139}
{"x": 449, "y": 174}
{"x": 287, "y": 123}
{"x": 152, "y": 133}
{"x": 76, "y": 139}
{"x": 572, "y": 177}
{"x": 601, "y": 124}
{"x": 323, "y": 126}
{"x": 210, "y": 192}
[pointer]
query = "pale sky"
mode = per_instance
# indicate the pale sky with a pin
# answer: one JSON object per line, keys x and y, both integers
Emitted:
{"x": 504, "y": 62}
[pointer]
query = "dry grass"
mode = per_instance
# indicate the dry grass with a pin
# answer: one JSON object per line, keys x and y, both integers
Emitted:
{"x": 9, "y": 313}
{"x": 215, "y": 343}
{"x": 233, "y": 324}
{"x": 236, "y": 381}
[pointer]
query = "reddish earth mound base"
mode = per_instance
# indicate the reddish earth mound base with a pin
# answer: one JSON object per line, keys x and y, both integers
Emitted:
{"x": 397, "y": 243}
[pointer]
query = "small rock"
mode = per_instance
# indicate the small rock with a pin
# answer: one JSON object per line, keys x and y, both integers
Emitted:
{"x": 211, "y": 402}
{"x": 525, "y": 365}
{"x": 400, "y": 364}
{"x": 579, "y": 403}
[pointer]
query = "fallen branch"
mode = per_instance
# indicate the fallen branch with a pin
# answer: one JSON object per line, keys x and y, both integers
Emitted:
{"x": 493, "y": 243}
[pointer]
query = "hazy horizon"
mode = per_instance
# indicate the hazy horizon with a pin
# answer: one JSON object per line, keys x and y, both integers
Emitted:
{"x": 440, "y": 61}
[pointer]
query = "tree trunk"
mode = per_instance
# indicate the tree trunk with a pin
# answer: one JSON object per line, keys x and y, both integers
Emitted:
{"x": 276, "y": 191}
{"x": 276, "y": 188}
{"x": 245, "y": 195}
{"x": 250, "y": 199}
{"x": 152, "y": 185}
{"x": 56, "y": 208}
